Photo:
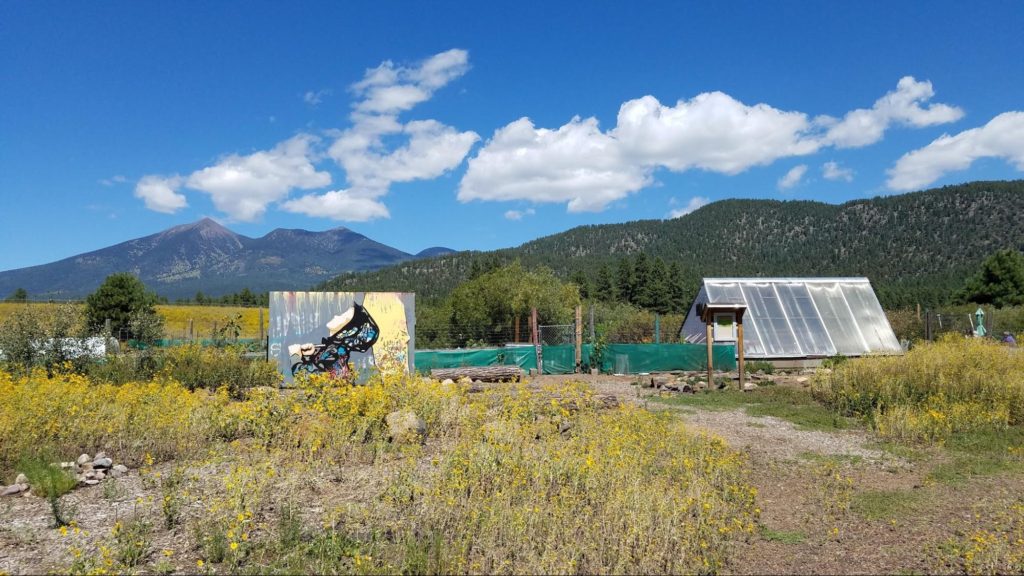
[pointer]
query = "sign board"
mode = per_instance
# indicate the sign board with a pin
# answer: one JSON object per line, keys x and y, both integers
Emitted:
{"x": 340, "y": 332}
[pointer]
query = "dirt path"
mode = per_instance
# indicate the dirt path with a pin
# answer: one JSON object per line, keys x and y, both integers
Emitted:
{"x": 833, "y": 502}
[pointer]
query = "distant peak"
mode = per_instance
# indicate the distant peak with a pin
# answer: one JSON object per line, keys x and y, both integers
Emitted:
{"x": 207, "y": 227}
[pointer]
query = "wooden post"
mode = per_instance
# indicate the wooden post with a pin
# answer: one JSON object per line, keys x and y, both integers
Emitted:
{"x": 579, "y": 339}
{"x": 711, "y": 368}
{"x": 739, "y": 353}
{"x": 536, "y": 342}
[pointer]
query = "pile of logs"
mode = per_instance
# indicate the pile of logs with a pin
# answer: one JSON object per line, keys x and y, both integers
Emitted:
{"x": 482, "y": 373}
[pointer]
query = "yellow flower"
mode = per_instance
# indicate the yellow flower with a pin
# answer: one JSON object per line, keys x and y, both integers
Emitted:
{"x": 200, "y": 562}
{"x": 234, "y": 545}
{"x": 63, "y": 530}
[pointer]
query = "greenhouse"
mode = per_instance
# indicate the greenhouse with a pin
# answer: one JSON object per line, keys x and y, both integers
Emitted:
{"x": 794, "y": 317}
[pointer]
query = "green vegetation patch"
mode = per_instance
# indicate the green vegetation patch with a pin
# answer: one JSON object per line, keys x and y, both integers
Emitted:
{"x": 783, "y": 536}
{"x": 790, "y": 404}
{"x": 886, "y": 504}
{"x": 982, "y": 453}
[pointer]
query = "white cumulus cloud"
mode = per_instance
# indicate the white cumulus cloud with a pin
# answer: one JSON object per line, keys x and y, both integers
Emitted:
{"x": 694, "y": 203}
{"x": 713, "y": 131}
{"x": 577, "y": 164}
{"x": 588, "y": 168}
{"x": 519, "y": 214}
{"x": 793, "y": 177}
{"x": 427, "y": 149}
{"x": 314, "y": 97}
{"x": 866, "y": 126}
{"x": 243, "y": 186}
{"x": 375, "y": 151}
{"x": 831, "y": 170}
{"x": 337, "y": 205}
{"x": 1002, "y": 137}
{"x": 161, "y": 193}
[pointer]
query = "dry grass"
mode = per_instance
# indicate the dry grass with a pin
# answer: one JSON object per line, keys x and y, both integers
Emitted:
{"x": 512, "y": 480}
{"x": 937, "y": 389}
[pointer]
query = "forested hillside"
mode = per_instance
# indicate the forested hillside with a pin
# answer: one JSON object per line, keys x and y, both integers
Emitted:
{"x": 915, "y": 248}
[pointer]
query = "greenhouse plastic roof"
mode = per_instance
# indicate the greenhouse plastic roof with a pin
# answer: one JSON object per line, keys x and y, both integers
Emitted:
{"x": 800, "y": 317}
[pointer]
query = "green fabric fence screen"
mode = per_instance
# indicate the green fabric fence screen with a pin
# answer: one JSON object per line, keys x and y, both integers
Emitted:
{"x": 615, "y": 358}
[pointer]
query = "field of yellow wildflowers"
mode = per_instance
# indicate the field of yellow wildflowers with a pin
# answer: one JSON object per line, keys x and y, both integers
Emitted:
{"x": 953, "y": 385}
{"x": 512, "y": 480}
{"x": 177, "y": 318}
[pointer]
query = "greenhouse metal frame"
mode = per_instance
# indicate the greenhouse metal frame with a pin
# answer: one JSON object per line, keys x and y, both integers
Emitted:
{"x": 799, "y": 317}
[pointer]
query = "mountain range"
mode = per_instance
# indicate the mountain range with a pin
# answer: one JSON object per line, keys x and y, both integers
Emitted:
{"x": 916, "y": 248}
{"x": 205, "y": 256}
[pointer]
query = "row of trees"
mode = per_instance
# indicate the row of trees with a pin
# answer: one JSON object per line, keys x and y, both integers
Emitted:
{"x": 640, "y": 281}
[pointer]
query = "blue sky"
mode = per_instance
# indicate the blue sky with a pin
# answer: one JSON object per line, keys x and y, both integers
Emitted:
{"x": 484, "y": 125}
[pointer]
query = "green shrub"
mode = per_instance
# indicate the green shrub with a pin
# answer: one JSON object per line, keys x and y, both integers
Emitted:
{"x": 51, "y": 482}
{"x": 761, "y": 366}
{"x": 193, "y": 365}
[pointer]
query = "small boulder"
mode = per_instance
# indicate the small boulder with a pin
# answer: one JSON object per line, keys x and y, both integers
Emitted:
{"x": 14, "y": 489}
{"x": 102, "y": 463}
{"x": 100, "y": 475}
{"x": 405, "y": 426}
{"x": 118, "y": 469}
{"x": 92, "y": 482}
{"x": 448, "y": 382}
{"x": 21, "y": 479}
{"x": 84, "y": 459}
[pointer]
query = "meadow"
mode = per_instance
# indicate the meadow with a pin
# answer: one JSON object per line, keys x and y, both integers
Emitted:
{"x": 235, "y": 475}
{"x": 178, "y": 318}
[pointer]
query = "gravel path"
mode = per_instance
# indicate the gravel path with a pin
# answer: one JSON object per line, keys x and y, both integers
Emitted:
{"x": 780, "y": 439}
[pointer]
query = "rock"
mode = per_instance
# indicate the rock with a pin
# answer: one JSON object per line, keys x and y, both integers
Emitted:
{"x": 465, "y": 380}
{"x": 89, "y": 475}
{"x": 14, "y": 489}
{"x": 564, "y": 427}
{"x": 21, "y": 479}
{"x": 750, "y": 386}
{"x": 801, "y": 380}
{"x": 120, "y": 468}
{"x": 100, "y": 455}
{"x": 67, "y": 465}
{"x": 83, "y": 459}
{"x": 92, "y": 482}
{"x": 448, "y": 382}
{"x": 405, "y": 426}
{"x": 100, "y": 475}
{"x": 687, "y": 388}
{"x": 102, "y": 463}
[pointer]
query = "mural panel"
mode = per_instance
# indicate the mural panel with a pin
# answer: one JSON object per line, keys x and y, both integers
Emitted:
{"x": 341, "y": 332}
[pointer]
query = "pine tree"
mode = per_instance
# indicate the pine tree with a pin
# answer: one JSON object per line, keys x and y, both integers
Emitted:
{"x": 642, "y": 291}
{"x": 604, "y": 287}
{"x": 625, "y": 281}
{"x": 579, "y": 278}
{"x": 658, "y": 296}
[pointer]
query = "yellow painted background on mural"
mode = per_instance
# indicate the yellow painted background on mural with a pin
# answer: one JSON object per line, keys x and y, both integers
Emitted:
{"x": 391, "y": 351}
